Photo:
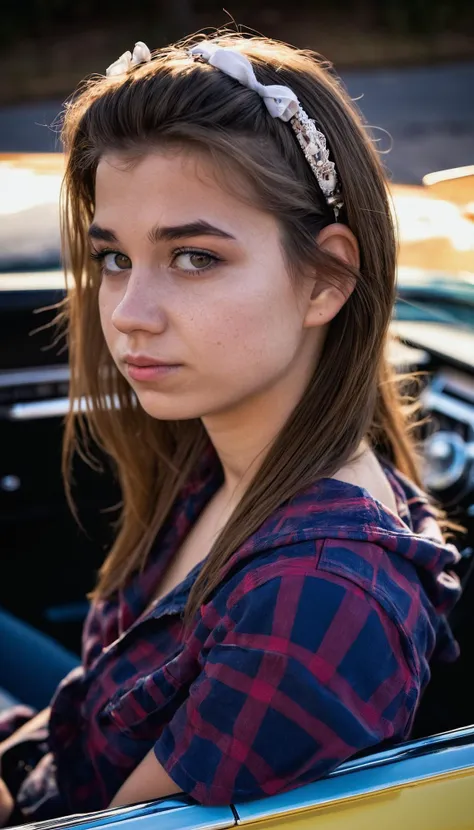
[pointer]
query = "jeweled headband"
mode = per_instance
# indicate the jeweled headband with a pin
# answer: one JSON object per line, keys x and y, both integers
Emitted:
{"x": 280, "y": 101}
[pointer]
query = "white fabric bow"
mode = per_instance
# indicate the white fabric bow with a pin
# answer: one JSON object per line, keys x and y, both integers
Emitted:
{"x": 141, "y": 54}
{"x": 280, "y": 101}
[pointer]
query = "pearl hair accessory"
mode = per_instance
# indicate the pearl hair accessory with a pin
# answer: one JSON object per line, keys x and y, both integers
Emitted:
{"x": 281, "y": 102}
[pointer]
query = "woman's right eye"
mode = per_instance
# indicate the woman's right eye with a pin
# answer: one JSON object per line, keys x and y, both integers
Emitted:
{"x": 112, "y": 261}
{"x": 115, "y": 262}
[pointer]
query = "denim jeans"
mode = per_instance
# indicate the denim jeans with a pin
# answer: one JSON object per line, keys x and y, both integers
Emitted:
{"x": 31, "y": 664}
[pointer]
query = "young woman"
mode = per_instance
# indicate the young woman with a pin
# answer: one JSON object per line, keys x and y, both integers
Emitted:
{"x": 277, "y": 586}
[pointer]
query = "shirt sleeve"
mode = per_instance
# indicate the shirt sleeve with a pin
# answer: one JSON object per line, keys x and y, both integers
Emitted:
{"x": 311, "y": 671}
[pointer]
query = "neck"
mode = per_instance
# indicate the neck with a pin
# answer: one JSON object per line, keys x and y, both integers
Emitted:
{"x": 243, "y": 435}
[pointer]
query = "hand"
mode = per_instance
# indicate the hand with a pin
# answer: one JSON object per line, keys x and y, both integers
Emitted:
{"x": 6, "y": 803}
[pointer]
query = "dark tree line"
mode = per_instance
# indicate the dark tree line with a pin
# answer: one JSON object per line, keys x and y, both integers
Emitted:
{"x": 30, "y": 19}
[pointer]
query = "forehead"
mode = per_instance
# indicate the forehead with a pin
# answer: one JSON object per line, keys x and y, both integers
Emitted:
{"x": 169, "y": 186}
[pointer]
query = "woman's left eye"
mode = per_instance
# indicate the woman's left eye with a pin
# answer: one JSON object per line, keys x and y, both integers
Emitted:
{"x": 194, "y": 261}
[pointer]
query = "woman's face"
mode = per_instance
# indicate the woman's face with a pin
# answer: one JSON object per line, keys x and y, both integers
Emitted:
{"x": 196, "y": 304}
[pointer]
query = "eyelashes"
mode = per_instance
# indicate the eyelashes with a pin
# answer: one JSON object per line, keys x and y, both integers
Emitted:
{"x": 199, "y": 254}
{"x": 101, "y": 258}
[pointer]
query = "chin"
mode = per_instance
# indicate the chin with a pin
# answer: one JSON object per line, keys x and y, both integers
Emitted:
{"x": 170, "y": 408}
{"x": 183, "y": 407}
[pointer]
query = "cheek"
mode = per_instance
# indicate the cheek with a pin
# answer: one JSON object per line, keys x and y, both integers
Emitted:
{"x": 107, "y": 304}
{"x": 253, "y": 330}
{"x": 104, "y": 308}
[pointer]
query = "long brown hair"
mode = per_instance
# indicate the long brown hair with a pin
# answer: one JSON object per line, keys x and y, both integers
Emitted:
{"x": 352, "y": 395}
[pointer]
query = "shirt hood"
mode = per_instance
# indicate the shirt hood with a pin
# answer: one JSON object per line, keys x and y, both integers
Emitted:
{"x": 333, "y": 509}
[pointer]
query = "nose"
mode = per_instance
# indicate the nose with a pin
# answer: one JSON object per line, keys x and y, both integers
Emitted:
{"x": 140, "y": 308}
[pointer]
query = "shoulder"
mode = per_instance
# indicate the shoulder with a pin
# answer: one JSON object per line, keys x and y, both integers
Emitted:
{"x": 345, "y": 594}
{"x": 340, "y": 653}
{"x": 359, "y": 567}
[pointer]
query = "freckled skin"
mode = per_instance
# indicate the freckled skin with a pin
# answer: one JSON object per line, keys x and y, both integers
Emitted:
{"x": 239, "y": 330}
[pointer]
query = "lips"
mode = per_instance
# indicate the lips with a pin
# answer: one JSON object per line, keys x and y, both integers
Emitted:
{"x": 145, "y": 360}
{"x": 145, "y": 368}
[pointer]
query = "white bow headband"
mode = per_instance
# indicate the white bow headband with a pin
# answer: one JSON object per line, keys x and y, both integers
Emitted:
{"x": 280, "y": 101}
{"x": 141, "y": 54}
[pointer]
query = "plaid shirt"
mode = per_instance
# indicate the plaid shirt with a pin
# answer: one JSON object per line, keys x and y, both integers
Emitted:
{"x": 314, "y": 647}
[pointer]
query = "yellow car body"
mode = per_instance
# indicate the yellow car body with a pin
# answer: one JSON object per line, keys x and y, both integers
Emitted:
{"x": 424, "y": 785}
{"x": 435, "y": 223}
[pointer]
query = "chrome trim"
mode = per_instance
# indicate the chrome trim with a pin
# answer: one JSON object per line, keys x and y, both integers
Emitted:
{"x": 442, "y": 402}
{"x": 454, "y": 382}
{"x": 459, "y": 455}
{"x": 167, "y": 814}
{"x": 398, "y": 767}
{"x": 409, "y": 749}
{"x": 34, "y": 410}
{"x": 51, "y": 408}
{"x": 26, "y": 377}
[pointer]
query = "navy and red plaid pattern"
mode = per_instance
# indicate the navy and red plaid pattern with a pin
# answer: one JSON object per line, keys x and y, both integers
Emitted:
{"x": 315, "y": 646}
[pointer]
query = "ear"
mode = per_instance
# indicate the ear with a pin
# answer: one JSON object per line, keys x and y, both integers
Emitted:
{"x": 327, "y": 300}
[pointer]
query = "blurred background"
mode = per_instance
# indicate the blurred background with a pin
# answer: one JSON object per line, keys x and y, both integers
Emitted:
{"x": 410, "y": 63}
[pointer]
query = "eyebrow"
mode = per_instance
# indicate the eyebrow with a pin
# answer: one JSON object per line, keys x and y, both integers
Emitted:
{"x": 167, "y": 234}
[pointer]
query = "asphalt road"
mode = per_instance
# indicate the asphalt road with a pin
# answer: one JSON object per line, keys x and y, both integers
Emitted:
{"x": 428, "y": 114}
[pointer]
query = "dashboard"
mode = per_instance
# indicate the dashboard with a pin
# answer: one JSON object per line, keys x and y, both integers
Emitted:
{"x": 446, "y": 355}
{"x": 49, "y": 563}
